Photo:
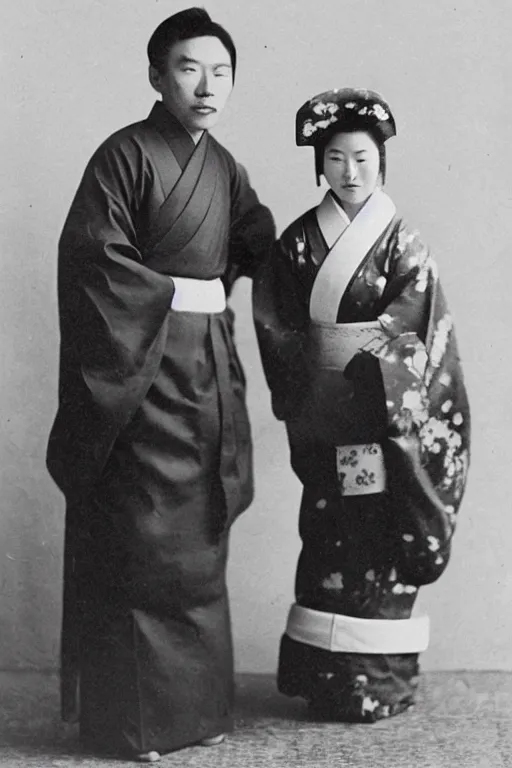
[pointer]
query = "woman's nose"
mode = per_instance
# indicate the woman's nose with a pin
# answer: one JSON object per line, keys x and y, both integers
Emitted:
{"x": 350, "y": 170}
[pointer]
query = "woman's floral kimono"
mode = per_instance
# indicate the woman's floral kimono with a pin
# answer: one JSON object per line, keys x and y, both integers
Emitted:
{"x": 379, "y": 438}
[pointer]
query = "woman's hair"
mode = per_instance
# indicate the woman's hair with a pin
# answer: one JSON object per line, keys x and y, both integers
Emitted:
{"x": 185, "y": 25}
{"x": 321, "y": 145}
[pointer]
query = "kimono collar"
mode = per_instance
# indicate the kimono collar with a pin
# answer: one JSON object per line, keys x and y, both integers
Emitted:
{"x": 332, "y": 219}
{"x": 176, "y": 135}
{"x": 347, "y": 252}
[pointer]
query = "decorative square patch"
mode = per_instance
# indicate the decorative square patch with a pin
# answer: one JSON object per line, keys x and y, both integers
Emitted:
{"x": 360, "y": 469}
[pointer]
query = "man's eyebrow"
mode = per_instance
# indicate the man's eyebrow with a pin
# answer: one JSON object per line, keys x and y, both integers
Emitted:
{"x": 187, "y": 60}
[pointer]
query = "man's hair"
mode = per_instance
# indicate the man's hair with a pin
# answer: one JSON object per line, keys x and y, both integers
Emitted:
{"x": 185, "y": 25}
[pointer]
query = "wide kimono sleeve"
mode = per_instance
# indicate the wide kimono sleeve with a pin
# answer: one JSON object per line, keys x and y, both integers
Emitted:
{"x": 427, "y": 448}
{"x": 252, "y": 229}
{"x": 281, "y": 321}
{"x": 112, "y": 311}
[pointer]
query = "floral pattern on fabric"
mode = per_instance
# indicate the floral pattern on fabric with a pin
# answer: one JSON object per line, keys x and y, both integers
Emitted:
{"x": 366, "y": 556}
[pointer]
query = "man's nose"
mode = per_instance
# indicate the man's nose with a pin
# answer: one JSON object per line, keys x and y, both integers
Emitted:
{"x": 205, "y": 84}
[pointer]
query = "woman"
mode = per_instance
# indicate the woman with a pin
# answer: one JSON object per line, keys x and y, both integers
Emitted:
{"x": 360, "y": 355}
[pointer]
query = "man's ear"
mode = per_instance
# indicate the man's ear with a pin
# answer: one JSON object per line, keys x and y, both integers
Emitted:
{"x": 154, "y": 78}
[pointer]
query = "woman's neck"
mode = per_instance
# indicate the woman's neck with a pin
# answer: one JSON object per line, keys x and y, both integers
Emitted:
{"x": 351, "y": 209}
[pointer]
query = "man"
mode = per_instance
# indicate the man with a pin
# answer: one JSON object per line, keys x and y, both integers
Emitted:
{"x": 151, "y": 444}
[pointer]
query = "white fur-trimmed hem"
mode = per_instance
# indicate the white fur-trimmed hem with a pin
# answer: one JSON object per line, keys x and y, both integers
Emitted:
{"x": 346, "y": 634}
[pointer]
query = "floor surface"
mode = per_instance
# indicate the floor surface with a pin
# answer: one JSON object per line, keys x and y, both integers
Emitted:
{"x": 461, "y": 719}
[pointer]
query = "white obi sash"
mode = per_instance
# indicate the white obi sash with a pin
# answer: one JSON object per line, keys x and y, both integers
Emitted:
{"x": 193, "y": 295}
{"x": 332, "y": 345}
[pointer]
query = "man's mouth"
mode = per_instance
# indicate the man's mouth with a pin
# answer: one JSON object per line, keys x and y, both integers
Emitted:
{"x": 203, "y": 109}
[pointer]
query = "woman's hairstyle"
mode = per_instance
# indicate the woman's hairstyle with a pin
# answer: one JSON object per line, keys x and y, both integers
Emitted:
{"x": 321, "y": 145}
{"x": 344, "y": 110}
{"x": 185, "y": 25}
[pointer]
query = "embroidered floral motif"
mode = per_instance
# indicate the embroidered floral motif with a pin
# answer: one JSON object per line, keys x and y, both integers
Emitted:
{"x": 405, "y": 238}
{"x": 404, "y": 589}
{"x": 369, "y": 705}
{"x": 417, "y": 362}
{"x": 379, "y": 112}
{"x": 333, "y": 581}
{"x": 322, "y": 108}
{"x": 415, "y": 402}
{"x": 428, "y": 270}
{"x": 308, "y": 129}
{"x": 328, "y": 112}
{"x": 380, "y": 285}
{"x": 325, "y": 123}
{"x": 440, "y": 341}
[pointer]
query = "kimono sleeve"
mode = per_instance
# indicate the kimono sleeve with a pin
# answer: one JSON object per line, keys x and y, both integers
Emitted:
{"x": 252, "y": 230}
{"x": 111, "y": 312}
{"x": 428, "y": 437}
{"x": 281, "y": 321}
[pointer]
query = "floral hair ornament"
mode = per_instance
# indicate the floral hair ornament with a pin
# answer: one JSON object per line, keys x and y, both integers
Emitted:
{"x": 341, "y": 109}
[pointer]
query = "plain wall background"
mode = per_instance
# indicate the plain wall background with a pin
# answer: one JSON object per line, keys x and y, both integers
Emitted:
{"x": 72, "y": 73}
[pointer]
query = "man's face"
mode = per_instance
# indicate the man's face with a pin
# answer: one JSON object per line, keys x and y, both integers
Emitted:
{"x": 196, "y": 82}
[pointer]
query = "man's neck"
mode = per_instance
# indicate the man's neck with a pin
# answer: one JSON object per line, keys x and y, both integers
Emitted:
{"x": 195, "y": 136}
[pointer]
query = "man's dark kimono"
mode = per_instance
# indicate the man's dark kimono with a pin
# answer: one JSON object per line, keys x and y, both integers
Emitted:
{"x": 151, "y": 444}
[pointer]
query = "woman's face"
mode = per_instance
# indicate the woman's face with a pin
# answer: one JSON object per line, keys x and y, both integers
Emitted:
{"x": 351, "y": 168}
